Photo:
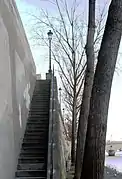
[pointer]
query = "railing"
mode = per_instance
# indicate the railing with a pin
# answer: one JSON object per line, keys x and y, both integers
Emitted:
{"x": 57, "y": 140}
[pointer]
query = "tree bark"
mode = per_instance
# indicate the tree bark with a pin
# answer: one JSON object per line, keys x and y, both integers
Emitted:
{"x": 84, "y": 111}
{"x": 94, "y": 155}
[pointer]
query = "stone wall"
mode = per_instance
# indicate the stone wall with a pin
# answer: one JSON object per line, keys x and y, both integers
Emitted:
{"x": 61, "y": 149}
{"x": 17, "y": 78}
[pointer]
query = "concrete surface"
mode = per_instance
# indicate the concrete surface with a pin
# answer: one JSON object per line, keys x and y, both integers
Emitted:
{"x": 17, "y": 78}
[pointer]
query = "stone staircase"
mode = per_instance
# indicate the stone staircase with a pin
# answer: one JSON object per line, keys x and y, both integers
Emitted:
{"x": 32, "y": 162}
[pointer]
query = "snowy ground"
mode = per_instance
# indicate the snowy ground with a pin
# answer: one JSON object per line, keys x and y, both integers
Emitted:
{"x": 113, "y": 167}
{"x": 115, "y": 161}
{"x": 112, "y": 174}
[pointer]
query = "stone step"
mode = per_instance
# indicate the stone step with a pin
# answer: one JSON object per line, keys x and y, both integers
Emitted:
{"x": 34, "y": 154}
{"x": 40, "y": 123}
{"x": 39, "y": 104}
{"x": 38, "y": 101}
{"x": 46, "y": 110}
{"x": 35, "y": 98}
{"x": 35, "y": 143}
{"x": 41, "y": 95}
{"x": 37, "y": 124}
{"x": 41, "y": 117}
{"x": 36, "y": 130}
{"x": 34, "y": 140}
{"x": 30, "y": 177}
{"x": 39, "y": 108}
{"x": 33, "y": 166}
{"x": 41, "y": 127}
{"x": 42, "y": 91}
{"x": 37, "y": 115}
{"x": 38, "y": 89}
{"x": 41, "y": 87}
{"x": 36, "y": 136}
{"x": 41, "y": 134}
{"x": 31, "y": 160}
{"x": 29, "y": 173}
{"x": 43, "y": 112}
{"x": 33, "y": 151}
{"x": 36, "y": 133}
{"x": 33, "y": 127}
{"x": 36, "y": 111}
{"x": 34, "y": 147}
{"x": 44, "y": 96}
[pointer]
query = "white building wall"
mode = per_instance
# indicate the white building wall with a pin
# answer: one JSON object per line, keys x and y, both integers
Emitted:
{"x": 17, "y": 79}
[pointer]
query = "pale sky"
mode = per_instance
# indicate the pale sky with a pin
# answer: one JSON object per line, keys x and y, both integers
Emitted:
{"x": 40, "y": 55}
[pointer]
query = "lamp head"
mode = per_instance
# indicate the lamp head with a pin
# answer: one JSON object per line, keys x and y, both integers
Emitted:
{"x": 50, "y": 35}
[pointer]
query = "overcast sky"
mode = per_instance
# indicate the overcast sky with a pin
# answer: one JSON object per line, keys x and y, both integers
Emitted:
{"x": 40, "y": 55}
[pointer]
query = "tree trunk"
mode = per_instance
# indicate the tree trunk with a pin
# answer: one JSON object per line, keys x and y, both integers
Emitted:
{"x": 84, "y": 111}
{"x": 94, "y": 155}
{"x": 74, "y": 117}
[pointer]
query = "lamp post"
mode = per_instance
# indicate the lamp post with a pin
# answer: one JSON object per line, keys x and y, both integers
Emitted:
{"x": 50, "y": 38}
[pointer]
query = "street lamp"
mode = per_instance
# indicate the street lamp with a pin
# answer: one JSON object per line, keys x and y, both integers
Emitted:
{"x": 50, "y": 38}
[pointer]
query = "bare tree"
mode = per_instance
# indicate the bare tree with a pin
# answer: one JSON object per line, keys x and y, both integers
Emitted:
{"x": 93, "y": 163}
{"x": 89, "y": 75}
{"x": 69, "y": 53}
